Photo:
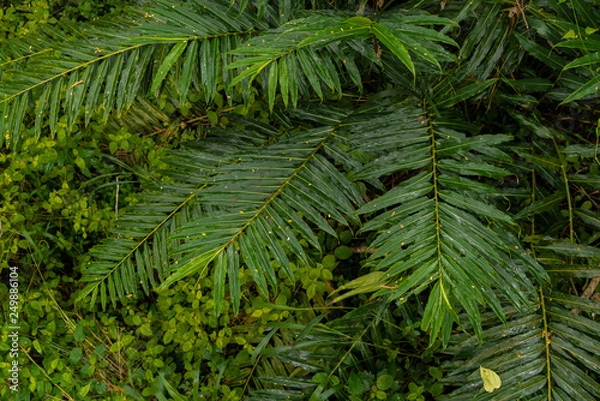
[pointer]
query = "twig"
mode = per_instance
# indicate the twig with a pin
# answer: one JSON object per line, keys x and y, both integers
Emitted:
{"x": 362, "y": 249}
{"x": 117, "y": 201}
{"x": 591, "y": 288}
{"x": 588, "y": 292}
{"x": 64, "y": 393}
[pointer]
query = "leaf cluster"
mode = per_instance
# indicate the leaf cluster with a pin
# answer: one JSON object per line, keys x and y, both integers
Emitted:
{"x": 347, "y": 178}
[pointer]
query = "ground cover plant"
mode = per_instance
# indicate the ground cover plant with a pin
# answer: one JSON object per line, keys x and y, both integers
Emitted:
{"x": 320, "y": 200}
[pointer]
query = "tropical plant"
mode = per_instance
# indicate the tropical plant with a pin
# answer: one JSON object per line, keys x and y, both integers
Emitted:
{"x": 408, "y": 150}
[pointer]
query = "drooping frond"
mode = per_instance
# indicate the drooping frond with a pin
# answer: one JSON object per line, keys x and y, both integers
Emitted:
{"x": 104, "y": 67}
{"x": 251, "y": 207}
{"x": 138, "y": 252}
{"x": 176, "y": 47}
{"x": 314, "y": 51}
{"x": 439, "y": 228}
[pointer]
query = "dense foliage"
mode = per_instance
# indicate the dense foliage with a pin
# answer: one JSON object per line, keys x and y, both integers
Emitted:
{"x": 321, "y": 200}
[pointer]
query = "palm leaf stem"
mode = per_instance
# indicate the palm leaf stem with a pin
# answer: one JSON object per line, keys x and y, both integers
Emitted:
{"x": 438, "y": 229}
{"x": 8, "y": 98}
{"x": 567, "y": 190}
{"x": 546, "y": 334}
{"x": 24, "y": 57}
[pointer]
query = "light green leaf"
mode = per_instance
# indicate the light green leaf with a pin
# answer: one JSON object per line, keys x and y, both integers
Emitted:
{"x": 491, "y": 380}
{"x": 369, "y": 282}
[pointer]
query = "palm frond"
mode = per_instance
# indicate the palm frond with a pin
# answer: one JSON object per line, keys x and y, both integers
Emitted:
{"x": 261, "y": 206}
{"x": 551, "y": 354}
{"x": 249, "y": 206}
{"x": 103, "y": 68}
{"x": 439, "y": 227}
{"x": 137, "y": 254}
{"x": 332, "y": 358}
{"x": 313, "y": 51}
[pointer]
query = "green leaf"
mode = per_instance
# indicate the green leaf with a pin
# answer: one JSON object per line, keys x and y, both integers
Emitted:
{"x": 221, "y": 269}
{"x": 370, "y": 282}
{"x": 570, "y": 249}
{"x": 57, "y": 89}
{"x": 355, "y": 386}
{"x": 233, "y": 273}
{"x": 293, "y": 74}
{"x": 588, "y": 59}
{"x": 349, "y": 28}
{"x": 549, "y": 58}
{"x": 464, "y": 93}
{"x": 343, "y": 252}
{"x": 166, "y": 65}
{"x": 93, "y": 96}
{"x": 284, "y": 80}
{"x": 262, "y": 344}
{"x": 547, "y": 203}
{"x": 470, "y": 168}
{"x": 384, "y": 382}
{"x": 307, "y": 59}
{"x": 83, "y": 391}
{"x": 589, "y": 217}
{"x": 198, "y": 263}
{"x": 272, "y": 85}
{"x": 79, "y": 334}
{"x": 127, "y": 74}
{"x": 257, "y": 259}
{"x": 189, "y": 63}
{"x": 75, "y": 355}
{"x": 592, "y": 87}
{"x": 209, "y": 68}
{"x": 110, "y": 86}
{"x": 388, "y": 39}
{"x": 468, "y": 204}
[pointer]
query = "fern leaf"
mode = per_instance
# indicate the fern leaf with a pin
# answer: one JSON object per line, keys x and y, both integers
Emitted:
{"x": 251, "y": 205}
{"x": 430, "y": 233}
{"x": 542, "y": 356}
{"x": 309, "y": 39}
{"x": 261, "y": 198}
{"x": 102, "y": 70}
